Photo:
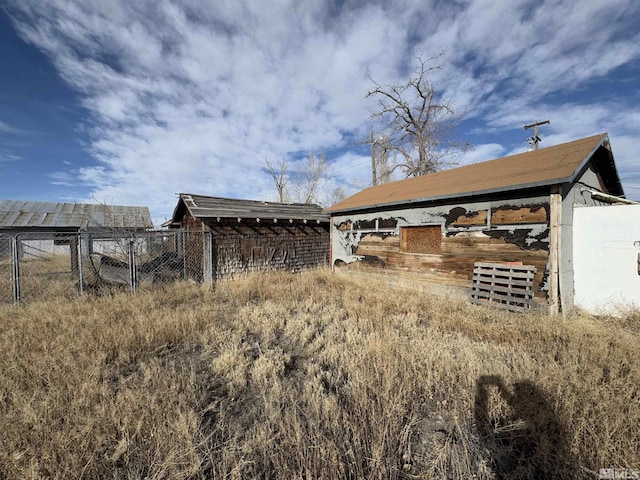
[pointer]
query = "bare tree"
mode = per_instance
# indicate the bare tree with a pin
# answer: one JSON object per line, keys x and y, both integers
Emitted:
{"x": 419, "y": 125}
{"x": 280, "y": 178}
{"x": 302, "y": 185}
{"x": 384, "y": 165}
{"x": 307, "y": 182}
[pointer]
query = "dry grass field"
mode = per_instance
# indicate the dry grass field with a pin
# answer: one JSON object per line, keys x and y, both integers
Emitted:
{"x": 311, "y": 376}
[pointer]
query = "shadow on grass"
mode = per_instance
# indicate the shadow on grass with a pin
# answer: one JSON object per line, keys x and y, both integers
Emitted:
{"x": 527, "y": 440}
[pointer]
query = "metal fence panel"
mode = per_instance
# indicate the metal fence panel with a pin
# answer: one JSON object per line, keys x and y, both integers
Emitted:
{"x": 145, "y": 259}
{"x": 6, "y": 269}
{"x": 104, "y": 262}
{"x": 47, "y": 265}
{"x": 195, "y": 257}
{"x": 159, "y": 257}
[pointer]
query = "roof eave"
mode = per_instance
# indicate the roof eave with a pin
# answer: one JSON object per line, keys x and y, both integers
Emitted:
{"x": 477, "y": 193}
{"x": 309, "y": 218}
{"x": 577, "y": 172}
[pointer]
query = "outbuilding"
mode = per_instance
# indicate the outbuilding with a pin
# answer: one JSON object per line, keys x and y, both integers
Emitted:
{"x": 245, "y": 236}
{"x": 432, "y": 230}
{"x": 19, "y": 216}
{"x": 53, "y": 227}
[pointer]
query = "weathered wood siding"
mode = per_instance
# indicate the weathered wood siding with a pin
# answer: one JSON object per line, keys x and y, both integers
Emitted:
{"x": 248, "y": 246}
{"x": 244, "y": 248}
{"x": 442, "y": 243}
{"x": 459, "y": 253}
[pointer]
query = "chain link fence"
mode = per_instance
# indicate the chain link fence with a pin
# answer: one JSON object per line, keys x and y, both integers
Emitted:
{"x": 44, "y": 266}
{"x": 6, "y": 269}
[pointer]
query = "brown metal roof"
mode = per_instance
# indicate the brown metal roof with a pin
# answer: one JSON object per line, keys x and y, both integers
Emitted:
{"x": 201, "y": 206}
{"x": 19, "y": 214}
{"x": 547, "y": 166}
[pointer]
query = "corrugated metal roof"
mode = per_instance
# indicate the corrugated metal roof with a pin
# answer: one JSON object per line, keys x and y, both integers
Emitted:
{"x": 23, "y": 214}
{"x": 547, "y": 166}
{"x": 201, "y": 206}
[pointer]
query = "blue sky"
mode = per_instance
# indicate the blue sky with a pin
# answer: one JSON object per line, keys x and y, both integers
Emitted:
{"x": 131, "y": 102}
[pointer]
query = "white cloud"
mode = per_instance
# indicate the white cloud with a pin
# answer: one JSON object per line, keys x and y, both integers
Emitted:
{"x": 189, "y": 96}
{"x": 8, "y": 129}
{"x": 481, "y": 153}
{"x": 7, "y": 157}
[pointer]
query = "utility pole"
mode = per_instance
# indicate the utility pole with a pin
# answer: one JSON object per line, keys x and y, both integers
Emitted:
{"x": 536, "y": 138}
{"x": 374, "y": 176}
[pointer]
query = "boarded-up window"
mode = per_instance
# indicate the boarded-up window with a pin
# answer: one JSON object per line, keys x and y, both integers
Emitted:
{"x": 427, "y": 239}
{"x": 364, "y": 225}
{"x": 387, "y": 223}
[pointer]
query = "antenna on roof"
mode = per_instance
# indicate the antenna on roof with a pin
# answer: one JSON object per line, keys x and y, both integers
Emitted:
{"x": 533, "y": 141}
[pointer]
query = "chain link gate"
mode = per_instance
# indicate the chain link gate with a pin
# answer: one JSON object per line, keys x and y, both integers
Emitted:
{"x": 144, "y": 259}
{"x": 46, "y": 266}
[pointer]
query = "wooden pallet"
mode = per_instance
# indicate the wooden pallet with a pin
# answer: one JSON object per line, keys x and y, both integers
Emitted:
{"x": 505, "y": 285}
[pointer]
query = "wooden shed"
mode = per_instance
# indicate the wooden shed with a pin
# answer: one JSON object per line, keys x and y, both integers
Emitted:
{"x": 249, "y": 236}
{"x": 431, "y": 230}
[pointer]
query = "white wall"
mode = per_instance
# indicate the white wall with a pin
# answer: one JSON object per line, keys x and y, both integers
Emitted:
{"x": 606, "y": 244}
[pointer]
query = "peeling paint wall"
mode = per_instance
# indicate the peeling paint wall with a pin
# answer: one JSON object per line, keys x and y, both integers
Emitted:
{"x": 512, "y": 229}
{"x": 573, "y": 195}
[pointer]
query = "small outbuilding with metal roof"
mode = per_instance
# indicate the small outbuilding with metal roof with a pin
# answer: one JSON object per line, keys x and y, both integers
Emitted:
{"x": 432, "y": 230}
{"x": 34, "y": 229}
{"x": 19, "y": 216}
{"x": 244, "y": 236}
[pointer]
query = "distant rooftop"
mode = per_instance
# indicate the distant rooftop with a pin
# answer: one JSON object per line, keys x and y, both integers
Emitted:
{"x": 18, "y": 214}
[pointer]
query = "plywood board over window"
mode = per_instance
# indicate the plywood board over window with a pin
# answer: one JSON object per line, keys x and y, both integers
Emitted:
{"x": 424, "y": 239}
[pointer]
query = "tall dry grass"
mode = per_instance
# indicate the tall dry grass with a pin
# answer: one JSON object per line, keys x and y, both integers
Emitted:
{"x": 311, "y": 376}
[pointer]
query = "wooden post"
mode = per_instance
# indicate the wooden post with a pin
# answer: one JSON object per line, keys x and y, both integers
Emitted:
{"x": 555, "y": 217}
{"x": 331, "y": 244}
{"x": 207, "y": 258}
{"x": 536, "y": 137}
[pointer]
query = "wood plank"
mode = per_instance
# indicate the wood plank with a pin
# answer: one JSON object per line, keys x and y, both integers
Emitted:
{"x": 496, "y": 283}
{"x": 554, "y": 237}
{"x": 423, "y": 239}
{"x": 502, "y": 216}
{"x": 477, "y": 218}
{"x": 459, "y": 253}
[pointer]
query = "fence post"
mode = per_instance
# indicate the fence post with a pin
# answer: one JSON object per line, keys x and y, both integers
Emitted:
{"x": 183, "y": 237}
{"x": 80, "y": 241}
{"x": 16, "y": 269}
{"x": 207, "y": 258}
{"x": 133, "y": 272}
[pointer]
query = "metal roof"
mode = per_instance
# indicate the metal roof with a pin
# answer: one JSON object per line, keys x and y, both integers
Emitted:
{"x": 201, "y": 206}
{"x": 16, "y": 214}
{"x": 548, "y": 166}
